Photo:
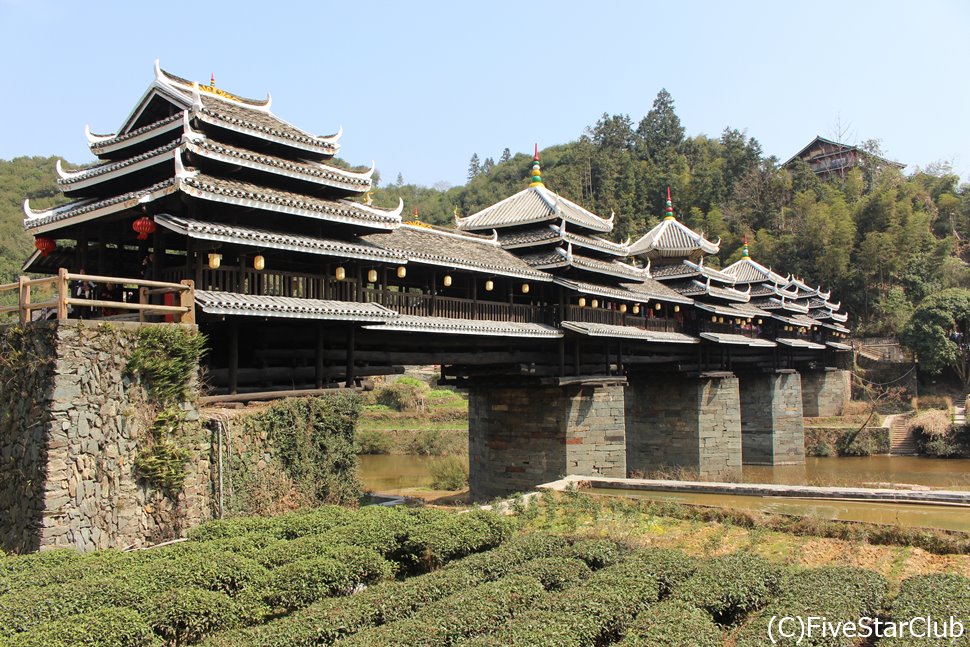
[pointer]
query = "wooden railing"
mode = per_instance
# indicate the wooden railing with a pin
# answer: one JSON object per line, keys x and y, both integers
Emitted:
{"x": 617, "y": 318}
{"x": 278, "y": 284}
{"x": 63, "y": 301}
{"x": 429, "y": 305}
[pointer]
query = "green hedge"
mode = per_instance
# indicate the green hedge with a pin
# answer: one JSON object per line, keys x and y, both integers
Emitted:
{"x": 839, "y": 593}
{"x": 298, "y": 584}
{"x": 731, "y": 586}
{"x": 939, "y": 596}
{"x": 328, "y": 620}
{"x": 593, "y": 612}
{"x": 673, "y": 623}
{"x": 455, "y": 618}
{"x": 669, "y": 567}
{"x": 556, "y": 573}
{"x": 109, "y": 627}
{"x": 597, "y": 553}
{"x": 185, "y": 616}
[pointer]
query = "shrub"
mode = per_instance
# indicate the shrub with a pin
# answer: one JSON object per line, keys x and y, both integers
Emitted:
{"x": 204, "y": 568}
{"x": 555, "y": 573}
{"x": 372, "y": 441}
{"x": 596, "y": 553}
{"x": 431, "y": 442}
{"x": 932, "y": 423}
{"x": 404, "y": 394}
{"x": 730, "y": 586}
{"x": 109, "y": 627}
{"x": 673, "y": 623}
{"x": 839, "y": 593}
{"x": 228, "y": 528}
{"x": 449, "y": 473}
{"x": 315, "y": 521}
{"x": 298, "y": 584}
{"x": 939, "y": 596}
{"x": 186, "y": 615}
{"x": 669, "y": 567}
{"x": 455, "y": 618}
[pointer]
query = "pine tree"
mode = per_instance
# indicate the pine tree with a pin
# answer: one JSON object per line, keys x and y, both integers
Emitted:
{"x": 400, "y": 179}
{"x": 474, "y": 167}
{"x": 488, "y": 165}
{"x": 506, "y": 156}
{"x": 660, "y": 132}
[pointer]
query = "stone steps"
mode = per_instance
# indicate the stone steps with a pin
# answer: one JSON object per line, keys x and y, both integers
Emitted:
{"x": 960, "y": 411}
{"x": 901, "y": 442}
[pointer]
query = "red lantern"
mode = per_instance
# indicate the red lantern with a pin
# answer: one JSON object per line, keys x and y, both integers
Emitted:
{"x": 45, "y": 245}
{"x": 144, "y": 226}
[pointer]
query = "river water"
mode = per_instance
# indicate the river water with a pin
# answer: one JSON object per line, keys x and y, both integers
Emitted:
{"x": 394, "y": 473}
{"x": 390, "y": 472}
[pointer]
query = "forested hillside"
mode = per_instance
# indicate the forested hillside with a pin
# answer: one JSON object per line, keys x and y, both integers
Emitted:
{"x": 881, "y": 239}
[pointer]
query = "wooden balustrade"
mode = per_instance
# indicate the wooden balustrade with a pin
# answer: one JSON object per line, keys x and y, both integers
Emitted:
{"x": 62, "y": 300}
{"x": 617, "y": 318}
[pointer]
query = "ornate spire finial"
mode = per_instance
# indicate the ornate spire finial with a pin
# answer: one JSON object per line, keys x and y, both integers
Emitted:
{"x": 744, "y": 250}
{"x": 669, "y": 209}
{"x": 212, "y": 79}
{"x": 536, "y": 170}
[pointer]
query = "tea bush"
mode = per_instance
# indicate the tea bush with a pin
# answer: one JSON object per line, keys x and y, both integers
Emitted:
{"x": 731, "y": 586}
{"x": 673, "y": 623}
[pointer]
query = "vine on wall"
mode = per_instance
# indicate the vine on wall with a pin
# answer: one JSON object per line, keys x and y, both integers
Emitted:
{"x": 165, "y": 359}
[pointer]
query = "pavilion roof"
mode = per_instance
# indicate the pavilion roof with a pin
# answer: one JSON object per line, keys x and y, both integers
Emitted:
{"x": 670, "y": 239}
{"x": 456, "y": 250}
{"x": 534, "y": 204}
{"x": 75, "y": 180}
{"x": 199, "y": 230}
{"x": 747, "y": 270}
{"x": 780, "y": 303}
{"x": 698, "y": 289}
{"x": 800, "y": 343}
{"x": 734, "y": 310}
{"x": 687, "y": 269}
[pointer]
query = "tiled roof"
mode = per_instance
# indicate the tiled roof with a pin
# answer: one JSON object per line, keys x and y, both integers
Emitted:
{"x": 818, "y": 302}
{"x": 230, "y": 303}
{"x": 744, "y": 310}
{"x": 251, "y": 195}
{"x": 737, "y": 340}
{"x": 773, "y": 303}
{"x": 671, "y": 238}
{"x": 309, "y": 171}
{"x": 455, "y": 249}
{"x": 410, "y": 323}
{"x": 72, "y": 180}
{"x": 747, "y": 270}
{"x": 796, "y": 320}
{"x": 837, "y": 346}
{"x": 595, "y": 242}
{"x": 101, "y": 144}
{"x": 531, "y": 205}
{"x": 771, "y": 289}
{"x": 527, "y": 237}
{"x": 800, "y": 343}
{"x": 558, "y": 257}
{"x": 821, "y": 315}
{"x": 40, "y": 221}
{"x": 836, "y": 327}
{"x": 635, "y": 292}
{"x": 696, "y": 289}
{"x": 360, "y": 248}
{"x": 805, "y": 290}
{"x": 629, "y": 332}
{"x": 687, "y": 269}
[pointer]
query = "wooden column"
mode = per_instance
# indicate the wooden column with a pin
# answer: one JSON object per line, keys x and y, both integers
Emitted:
{"x": 318, "y": 371}
{"x": 562, "y": 356}
{"x": 233, "y": 384}
{"x": 101, "y": 252}
{"x": 351, "y": 334}
{"x": 576, "y": 358}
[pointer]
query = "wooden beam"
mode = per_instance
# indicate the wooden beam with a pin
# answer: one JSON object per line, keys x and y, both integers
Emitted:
{"x": 351, "y": 334}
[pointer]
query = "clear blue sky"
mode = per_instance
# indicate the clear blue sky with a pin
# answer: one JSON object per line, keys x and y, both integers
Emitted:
{"x": 420, "y": 86}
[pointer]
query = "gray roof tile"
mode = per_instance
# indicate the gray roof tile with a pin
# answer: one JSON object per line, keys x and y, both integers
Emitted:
{"x": 532, "y": 205}
{"x": 628, "y": 332}
{"x": 230, "y": 303}
{"x": 410, "y": 323}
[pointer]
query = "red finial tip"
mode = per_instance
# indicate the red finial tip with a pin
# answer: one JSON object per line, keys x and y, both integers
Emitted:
{"x": 212, "y": 78}
{"x": 536, "y": 156}
{"x": 668, "y": 193}
{"x": 745, "y": 239}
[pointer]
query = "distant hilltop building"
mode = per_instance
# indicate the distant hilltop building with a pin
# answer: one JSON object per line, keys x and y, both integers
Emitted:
{"x": 830, "y": 158}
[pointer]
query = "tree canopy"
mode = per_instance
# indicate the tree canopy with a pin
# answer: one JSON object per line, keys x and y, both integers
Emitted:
{"x": 937, "y": 333}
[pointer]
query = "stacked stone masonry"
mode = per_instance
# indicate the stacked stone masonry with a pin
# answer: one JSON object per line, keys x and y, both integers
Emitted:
{"x": 692, "y": 423}
{"x": 74, "y": 421}
{"x": 772, "y": 427}
{"x": 825, "y": 393}
{"x": 521, "y": 437}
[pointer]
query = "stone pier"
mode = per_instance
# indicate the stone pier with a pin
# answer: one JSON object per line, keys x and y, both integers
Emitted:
{"x": 520, "y": 437}
{"x": 772, "y": 428}
{"x": 676, "y": 421}
{"x": 825, "y": 393}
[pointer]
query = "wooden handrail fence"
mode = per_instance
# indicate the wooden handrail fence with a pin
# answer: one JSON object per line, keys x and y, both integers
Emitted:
{"x": 182, "y": 313}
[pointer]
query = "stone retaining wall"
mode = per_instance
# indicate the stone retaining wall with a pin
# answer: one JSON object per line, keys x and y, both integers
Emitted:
{"x": 825, "y": 393}
{"x": 73, "y": 422}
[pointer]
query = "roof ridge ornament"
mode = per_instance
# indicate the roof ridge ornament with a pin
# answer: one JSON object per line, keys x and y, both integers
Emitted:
{"x": 181, "y": 172}
{"x": 65, "y": 175}
{"x": 196, "y": 97}
{"x": 188, "y": 134}
{"x": 669, "y": 208}
{"x": 536, "y": 169}
{"x": 95, "y": 139}
{"x": 649, "y": 273}
{"x": 744, "y": 250}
